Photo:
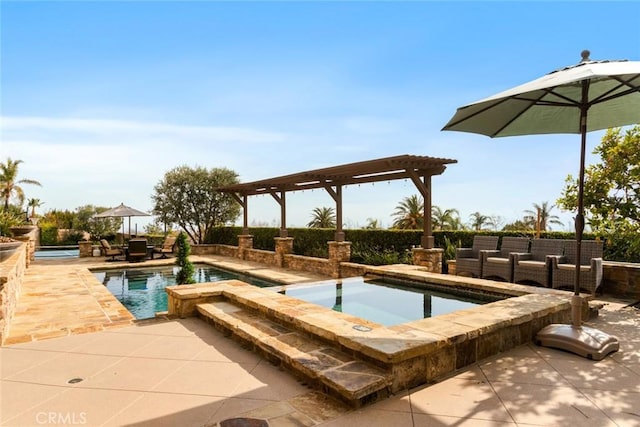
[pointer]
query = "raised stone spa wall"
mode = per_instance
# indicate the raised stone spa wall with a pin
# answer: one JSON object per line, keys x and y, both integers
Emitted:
{"x": 412, "y": 353}
{"x": 12, "y": 271}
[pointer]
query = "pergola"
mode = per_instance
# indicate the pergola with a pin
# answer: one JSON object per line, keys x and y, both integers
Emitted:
{"x": 419, "y": 169}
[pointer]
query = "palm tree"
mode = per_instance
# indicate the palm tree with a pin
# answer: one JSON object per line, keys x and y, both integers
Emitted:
{"x": 9, "y": 181}
{"x": 33, "y": 204}
{"x": 409, "y": 213}
{"x": 540, "y": 217}
{"x": 478, "y": 221}
{"x": 322, "y": 218}
{"x": 449, "y": 219}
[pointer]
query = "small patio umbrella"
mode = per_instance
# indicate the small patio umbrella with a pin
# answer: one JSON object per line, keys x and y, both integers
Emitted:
{"x": 589, "y": 96}
{"x": 121, "y": 211}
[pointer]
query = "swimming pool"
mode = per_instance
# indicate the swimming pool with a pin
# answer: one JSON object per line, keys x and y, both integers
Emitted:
{"x": 385, "y": 302}
{"x": 141, "y": 290}
{"x": 56, "y": 253}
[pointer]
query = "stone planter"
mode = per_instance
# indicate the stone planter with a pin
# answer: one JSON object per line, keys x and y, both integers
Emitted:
{"x": 21, "y": 230}
{"x": 451, "y": 267}
{"x": 7, "y": 249}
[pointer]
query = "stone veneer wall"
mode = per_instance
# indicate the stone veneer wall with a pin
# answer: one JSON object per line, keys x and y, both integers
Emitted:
{"x": 215, "y": 249}
{"x": 308, "y": 263}
{"x": 621, "y": 279}
{"x": 261, "y": 256}
{"x": 11, "y": 272}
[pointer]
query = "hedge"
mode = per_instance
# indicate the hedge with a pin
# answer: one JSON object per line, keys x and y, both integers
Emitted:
{"x": 382, "y": 243}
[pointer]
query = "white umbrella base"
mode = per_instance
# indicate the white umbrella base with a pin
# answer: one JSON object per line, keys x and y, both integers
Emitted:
{"x": 581, "y": 340}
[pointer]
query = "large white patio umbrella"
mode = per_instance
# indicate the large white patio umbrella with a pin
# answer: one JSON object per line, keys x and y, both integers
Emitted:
{"x": 589, "y": 96}
{"x": 121, "y": 211}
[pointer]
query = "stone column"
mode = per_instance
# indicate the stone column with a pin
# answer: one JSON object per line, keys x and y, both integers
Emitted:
{"x": 338, "y": 252}
{"x": 284, "y": 246}
{"x": 431, "y": 259}
{"x": 86, "y": 248}
{"x": 30, "y": 235}
{"x": 245, "y": 242}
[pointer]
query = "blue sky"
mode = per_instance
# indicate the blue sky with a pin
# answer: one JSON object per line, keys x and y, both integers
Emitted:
{"x": 100, "y": 99}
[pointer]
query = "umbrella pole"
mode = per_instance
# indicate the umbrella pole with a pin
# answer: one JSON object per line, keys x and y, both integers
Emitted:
{"x": 582, "y": 340}
{"x": 576, "y": 301}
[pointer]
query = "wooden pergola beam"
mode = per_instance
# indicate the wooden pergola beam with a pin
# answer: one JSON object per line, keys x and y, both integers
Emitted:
{"x": 419, "y": 169}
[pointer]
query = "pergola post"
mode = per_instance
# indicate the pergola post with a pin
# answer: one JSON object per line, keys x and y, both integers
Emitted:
{"x": 424, "y": 187}
{"x": 244, "y": 203}
{"x": 283, "y": 211}
{"x": 337, "y": 197}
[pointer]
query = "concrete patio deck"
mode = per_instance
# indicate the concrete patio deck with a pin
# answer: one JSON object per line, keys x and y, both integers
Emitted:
{"x": 184, "y": 372}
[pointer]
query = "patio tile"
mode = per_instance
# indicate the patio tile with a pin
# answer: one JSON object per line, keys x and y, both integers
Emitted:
{"x": 19, "y": 397}
{"x": 133, "y": 374}
{"x": 268, "y": 382}
{"x": 460, "y": 398}
{"x": 606, "y": 374}
{"x": 622, "y": 408}
{"x": 173, "y": 328}
{"x": 14, "y": 360}
{"x": 535, "y": 404}
{"x": 227, "y": 350}
{"x": 167, "y": 409}
{"x": 204, "y": 378}
{"x": 77, "y": 406}
{"x": 521, "y": 369}
{"x": 115, "y": 344}
{"x": 59, "y": 368}
{"x": 176, "y": 347}
{"x": 429, "y": 420}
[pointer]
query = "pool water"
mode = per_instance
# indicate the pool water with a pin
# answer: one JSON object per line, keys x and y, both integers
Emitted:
{"x": 56, "y": 253}
{"x": 141, "y": 290}
{"x": 385, "y": 303}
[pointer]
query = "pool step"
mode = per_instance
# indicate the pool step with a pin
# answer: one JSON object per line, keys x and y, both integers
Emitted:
{"x": 335, "y": 372}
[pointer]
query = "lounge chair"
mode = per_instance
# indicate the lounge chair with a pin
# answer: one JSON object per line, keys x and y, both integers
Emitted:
{"x": 535, "y": 266}
{"x": 469, "y": 260}
{"x": 499, "y": 263}
{"x": 167, "y": 246}
{"x": 563, "y": 269}
{"x": 107, "y": 250}
{"x": 137, "y": 250}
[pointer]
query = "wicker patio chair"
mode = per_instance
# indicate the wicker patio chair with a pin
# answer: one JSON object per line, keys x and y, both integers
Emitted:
{"x": 563, "y": 270}
{"x": 535, "y": 266}
{"x": 469, "y": 260}
{"x": 499, "y": 263}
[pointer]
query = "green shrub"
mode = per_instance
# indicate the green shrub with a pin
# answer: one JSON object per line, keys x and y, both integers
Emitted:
{"x": 186, "y": 272}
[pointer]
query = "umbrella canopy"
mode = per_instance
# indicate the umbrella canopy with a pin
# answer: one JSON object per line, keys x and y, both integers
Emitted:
{"x": 607, "y": 92}
{"x": 121, "y": 211}
{"x": 589, "y": 96}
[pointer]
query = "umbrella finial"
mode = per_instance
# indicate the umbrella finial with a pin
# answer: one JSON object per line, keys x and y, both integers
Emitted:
{"x": 585, "y": 56}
